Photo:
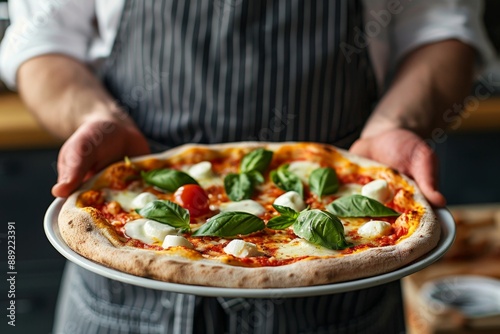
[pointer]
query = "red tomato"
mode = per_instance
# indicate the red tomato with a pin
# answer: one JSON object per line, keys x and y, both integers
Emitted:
{"x": 193, "y": 198}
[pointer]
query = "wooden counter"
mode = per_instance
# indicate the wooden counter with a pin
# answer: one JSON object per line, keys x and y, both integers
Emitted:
{"x": 19, "y": 129}
{"x": 486, "y": 117}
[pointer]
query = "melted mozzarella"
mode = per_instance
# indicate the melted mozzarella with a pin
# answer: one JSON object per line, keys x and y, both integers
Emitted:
{"x": 349, "y": 189}
{"x": 292, "y": 200}
{"x": 148, "y": 231}
{"x": 142, "y": 200}
{"x": 377, "y": 189}
{"x": 176, "y": 240}
{"x": 124, "y": 197}
{"x": 303, "y": 169}
{"x": 300, "y": 247}
{"x": 201, "y": 170}
{"x": 203, "y": 173}
{"x": 247, "y": 205}
{"x": 240, "y": 248}
{"x": 374, "y": 229}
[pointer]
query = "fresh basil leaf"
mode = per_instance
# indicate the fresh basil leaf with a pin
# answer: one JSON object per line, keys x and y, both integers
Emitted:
{"x": 238, "y": 186}
{"x": 167, "y": 179}
{"x": 359, "y": 206}
{"x": 281, "y": 222}
{"x": 166, "y": 212}
{"x": 255, "y": 176}
{"x": 230, "y": 224}
{"x": 321, "y": 228}
{"x": 286, "y": 211}
{"x": 257, "y": 160}
{"x": 286, "y": 180}
{"x": 323, "y": 181}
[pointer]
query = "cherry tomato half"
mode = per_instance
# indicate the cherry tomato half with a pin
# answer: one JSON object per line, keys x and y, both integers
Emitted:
{"x": 193, "y": 198}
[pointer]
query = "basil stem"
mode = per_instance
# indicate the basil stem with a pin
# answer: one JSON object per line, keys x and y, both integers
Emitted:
{"x": 323, "y": 181}
{"x": 167, "y": 179}
{"x": 166, "y": 212}
{"x": 257, "y": 160}
{"x": 286, "y": 180}
{"x": 321, "y": 228}
{"x": 230, "y": 224}
{"x": 360, "y": 206}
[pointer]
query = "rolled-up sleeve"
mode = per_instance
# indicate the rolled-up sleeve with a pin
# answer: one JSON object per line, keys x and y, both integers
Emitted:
{"x": 41, "y": 27}
{"x": 426, "y": 21}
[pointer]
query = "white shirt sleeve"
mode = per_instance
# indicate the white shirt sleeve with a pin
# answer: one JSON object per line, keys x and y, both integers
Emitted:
{"x": 427, "y": 21}
{"x": 396, "y": 27}
{"x": 45, "y": 26}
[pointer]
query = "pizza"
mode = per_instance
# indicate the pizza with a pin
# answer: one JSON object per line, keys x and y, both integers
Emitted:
{"x": 250, "y": 215}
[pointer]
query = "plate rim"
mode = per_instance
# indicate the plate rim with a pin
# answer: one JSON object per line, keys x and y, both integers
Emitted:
{"x": 448, "y": 232}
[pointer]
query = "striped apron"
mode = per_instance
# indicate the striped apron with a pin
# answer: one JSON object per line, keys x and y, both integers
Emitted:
{"x": 231, "y": 70}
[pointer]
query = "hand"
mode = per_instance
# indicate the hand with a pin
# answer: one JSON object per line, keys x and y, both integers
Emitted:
{"x": 95, "y": 144}
{"x": 406, "y": 152}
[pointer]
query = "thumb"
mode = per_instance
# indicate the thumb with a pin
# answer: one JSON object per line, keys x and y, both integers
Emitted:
{"x": 73, "y": 164}
{"x": 423, "y": 169}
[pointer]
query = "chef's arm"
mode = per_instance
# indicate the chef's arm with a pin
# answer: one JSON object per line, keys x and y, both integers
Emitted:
{"x": 63, "y": 94}
{"x": 71, "y": 103}
{"x": 429, "y": 81}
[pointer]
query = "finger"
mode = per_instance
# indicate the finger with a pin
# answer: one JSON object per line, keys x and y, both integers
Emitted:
{"x": 361, "y": 147}
{"x": 74, "y": 162}
{"x": 423, "y": 169}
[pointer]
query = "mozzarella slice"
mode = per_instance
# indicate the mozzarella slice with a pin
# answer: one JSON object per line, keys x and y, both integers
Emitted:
{"x": 292, "y": 200}
{"x": 349, "y": 189}
{"x": 374, "y": 229}
{"x": 377, "y": 189}
{"x": 176, "y": 240}
{"x": 247, "y": 205}
{"x": 203, "y": 173}
{"x": 147, "y": 230}
{"x": 240, "y": 248}
{"x": 124, "y": 197}
{"x": 201, "y": 170}
{"x": 303, "y": 169}
{"x": 158, "y": 230}
{"x": 142, "y": 200}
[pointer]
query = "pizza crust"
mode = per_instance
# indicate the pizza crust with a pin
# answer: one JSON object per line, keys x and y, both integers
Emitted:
{"x": 84, "y": 233}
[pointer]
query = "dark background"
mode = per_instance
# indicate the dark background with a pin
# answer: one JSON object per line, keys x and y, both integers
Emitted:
{"x": 469, "y": 174}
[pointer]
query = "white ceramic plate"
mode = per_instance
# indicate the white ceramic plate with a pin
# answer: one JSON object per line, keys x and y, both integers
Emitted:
{"x": 447, "y": 237}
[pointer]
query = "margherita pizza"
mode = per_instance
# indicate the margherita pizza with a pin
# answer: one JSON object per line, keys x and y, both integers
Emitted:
{"x": 250, "y": 215}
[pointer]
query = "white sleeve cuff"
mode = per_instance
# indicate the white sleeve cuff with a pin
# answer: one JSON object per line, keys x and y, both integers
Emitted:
{"x": 431, "y": 21}
{"x": 40, "y": 27}
{"x": 15, "y": 50}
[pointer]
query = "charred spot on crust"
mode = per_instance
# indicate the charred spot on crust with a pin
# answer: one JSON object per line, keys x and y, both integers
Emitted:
{"x": 70, "y": 222}
{"x": 328, "y": 148}
{"x": 89, "y": 227}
